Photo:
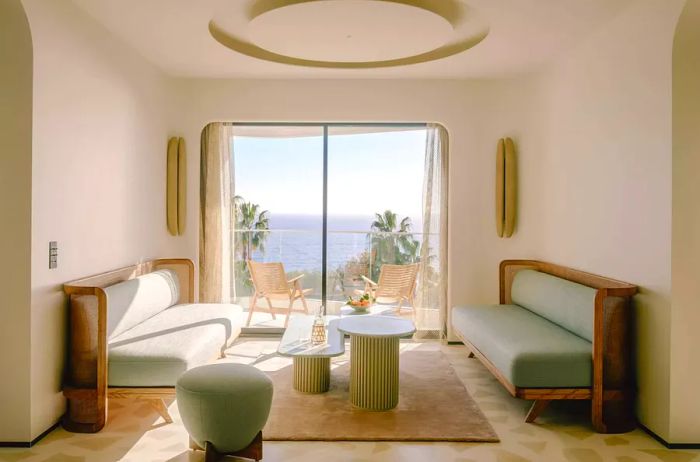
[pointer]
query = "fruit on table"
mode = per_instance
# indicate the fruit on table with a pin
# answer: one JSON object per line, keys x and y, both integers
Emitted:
{"x": 363, "y": 301}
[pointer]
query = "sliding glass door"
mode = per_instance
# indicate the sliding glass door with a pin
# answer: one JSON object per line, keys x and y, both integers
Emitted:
{"x": 331, "y": 202}
{"x": 278, "y": 213}
{"x": 375, "y": 180}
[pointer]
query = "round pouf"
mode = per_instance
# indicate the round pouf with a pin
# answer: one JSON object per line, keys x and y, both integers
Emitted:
{"x": 224, "y": 404}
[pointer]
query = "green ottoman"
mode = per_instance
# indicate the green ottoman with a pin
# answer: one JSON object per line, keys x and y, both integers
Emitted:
{"x": 224, "y": 408}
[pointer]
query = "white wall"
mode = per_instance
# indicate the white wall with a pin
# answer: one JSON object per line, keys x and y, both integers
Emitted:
{"x": 606, "y": 176}
{"x": 101, "y": 117}
{"x": 475, "y": 113}
{"x": 685, "y": 314}
{"x": 15, "y": 210}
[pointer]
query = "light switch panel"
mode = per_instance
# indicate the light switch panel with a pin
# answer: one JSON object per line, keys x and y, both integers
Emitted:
{"x": 53, "y": 254}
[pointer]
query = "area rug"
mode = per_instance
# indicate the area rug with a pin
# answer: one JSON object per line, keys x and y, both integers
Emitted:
{"x": 433, "y": 406}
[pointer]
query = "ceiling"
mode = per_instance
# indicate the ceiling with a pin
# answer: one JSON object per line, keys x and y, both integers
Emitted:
{"x": 498, "y": 38}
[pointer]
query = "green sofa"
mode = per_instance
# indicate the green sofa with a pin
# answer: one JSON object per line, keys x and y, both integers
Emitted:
{"x": 133, "y": 332}
{"x": 539, "y": 341}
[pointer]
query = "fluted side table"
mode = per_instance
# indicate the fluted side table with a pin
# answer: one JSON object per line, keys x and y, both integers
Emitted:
{"x": 374, "y": 359}
{"x": 312, "y": 363}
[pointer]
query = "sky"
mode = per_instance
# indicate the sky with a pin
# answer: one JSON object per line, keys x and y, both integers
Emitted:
{"x": 367, "y": 173}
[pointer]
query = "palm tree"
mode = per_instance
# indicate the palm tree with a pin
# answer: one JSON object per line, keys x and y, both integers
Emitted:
{"x": 392, "y": 241}
{"x": 254, "y": 224}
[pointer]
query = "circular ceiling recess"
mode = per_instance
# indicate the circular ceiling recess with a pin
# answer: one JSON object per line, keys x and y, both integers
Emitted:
{"x": 349, "y": 30}
{"x": 350, "y": 33}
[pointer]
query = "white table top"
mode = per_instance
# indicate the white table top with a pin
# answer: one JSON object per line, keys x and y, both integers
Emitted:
{"x": 296, "y": 340}
{"x": 376, "y": 326}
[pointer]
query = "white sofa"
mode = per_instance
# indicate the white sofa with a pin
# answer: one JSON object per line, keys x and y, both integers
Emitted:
{"x": 153, "y": 339}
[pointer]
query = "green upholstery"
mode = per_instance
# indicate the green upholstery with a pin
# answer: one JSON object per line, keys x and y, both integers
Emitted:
{"x": 159, "y": 350}
{"x": 530, "y": 351}
{"x": 563, "y": 302}
{"x": 225, "y": 404}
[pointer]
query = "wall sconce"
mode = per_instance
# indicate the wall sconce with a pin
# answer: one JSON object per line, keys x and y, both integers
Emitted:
{"x": 506, "y": 187}
{"x": 176, "y": 186}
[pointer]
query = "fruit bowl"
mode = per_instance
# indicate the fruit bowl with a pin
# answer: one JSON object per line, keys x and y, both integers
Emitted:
{"x": 361, "y": 303}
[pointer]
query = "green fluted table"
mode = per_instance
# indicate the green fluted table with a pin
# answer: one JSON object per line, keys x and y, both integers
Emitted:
{"x": 374, "y": 359}
{"x": 312, "y": 363}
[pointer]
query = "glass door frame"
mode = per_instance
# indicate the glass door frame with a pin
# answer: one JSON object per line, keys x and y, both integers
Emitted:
{"x": 325, "y": 126}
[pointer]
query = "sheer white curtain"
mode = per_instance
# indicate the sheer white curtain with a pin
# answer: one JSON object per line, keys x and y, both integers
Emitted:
{"x": 215, "y": 233}
{"x": 431, "y": 300}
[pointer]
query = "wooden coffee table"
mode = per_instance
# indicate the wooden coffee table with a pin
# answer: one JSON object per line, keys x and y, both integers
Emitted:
{"x": 374, "y": 359}
{"x": 312, "y": 363}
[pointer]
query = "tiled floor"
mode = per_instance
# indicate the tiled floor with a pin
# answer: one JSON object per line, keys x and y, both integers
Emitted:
{"x": 135, "y": 433}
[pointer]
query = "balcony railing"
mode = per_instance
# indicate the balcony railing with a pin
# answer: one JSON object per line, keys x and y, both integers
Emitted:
{"x": 351, "y": 255}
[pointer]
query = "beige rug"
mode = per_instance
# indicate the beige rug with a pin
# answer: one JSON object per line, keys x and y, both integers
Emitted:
{"x": 433, "y": 406}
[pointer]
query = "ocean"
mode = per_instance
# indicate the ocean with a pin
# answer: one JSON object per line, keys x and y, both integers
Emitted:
{"x": 297, "y": 241}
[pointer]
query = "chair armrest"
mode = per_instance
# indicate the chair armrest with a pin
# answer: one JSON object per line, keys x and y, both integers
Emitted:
{"x": 295, "y": 279}
{"x": 369, "y": 281}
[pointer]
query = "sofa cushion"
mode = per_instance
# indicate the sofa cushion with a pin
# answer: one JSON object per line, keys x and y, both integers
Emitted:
{"x": 563, "y": 302}
{"x": 132, "y": 302}
{"x": 530, "y": 351}
{"x": 157, "y": 351}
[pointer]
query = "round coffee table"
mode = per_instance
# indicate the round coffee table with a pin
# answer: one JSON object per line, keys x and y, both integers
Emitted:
{"x": 374, "y": 359}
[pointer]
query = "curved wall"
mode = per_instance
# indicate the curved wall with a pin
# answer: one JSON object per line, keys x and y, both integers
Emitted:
{"x": 685, "y": 316}
{"x": 15, "y": 210}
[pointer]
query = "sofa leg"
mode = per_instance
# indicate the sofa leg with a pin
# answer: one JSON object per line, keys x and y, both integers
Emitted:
{"x": 471, "y": 354}
{"x": 537, "y": 407}
{"x": 159, "y": 406}
{"x": 85, "y": 415}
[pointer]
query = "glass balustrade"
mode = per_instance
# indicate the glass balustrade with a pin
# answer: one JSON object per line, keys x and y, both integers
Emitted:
{"x": 351, "y": 255}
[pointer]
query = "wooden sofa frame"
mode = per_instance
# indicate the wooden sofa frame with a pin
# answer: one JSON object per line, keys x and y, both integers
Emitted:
{"x": 87, "y": 399}
{"x": 612, "y": 392}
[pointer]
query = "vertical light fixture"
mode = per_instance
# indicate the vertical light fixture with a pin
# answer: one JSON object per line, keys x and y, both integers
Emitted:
{"x": 181, "y": 186}
{"x": 506, "y": 187}
{"x": 176, "y": 186}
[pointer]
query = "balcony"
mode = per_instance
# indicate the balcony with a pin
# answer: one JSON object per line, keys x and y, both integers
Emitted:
{"x": 351, "y": 255}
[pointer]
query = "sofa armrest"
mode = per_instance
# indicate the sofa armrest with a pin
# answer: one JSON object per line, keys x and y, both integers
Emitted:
{"x": 184, "y": 268}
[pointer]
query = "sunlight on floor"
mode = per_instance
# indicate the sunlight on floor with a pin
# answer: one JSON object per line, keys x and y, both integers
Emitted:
{"x": 135, "y": 433}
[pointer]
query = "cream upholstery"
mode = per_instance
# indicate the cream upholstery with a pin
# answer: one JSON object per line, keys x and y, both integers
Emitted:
{"x": 136, "y": 300}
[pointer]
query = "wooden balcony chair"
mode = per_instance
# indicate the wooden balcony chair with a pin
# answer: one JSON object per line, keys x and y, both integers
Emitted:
{"x": 270, "y": 282}
{"x": 351, "y": 278}
{"x": 397, "y": 283}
